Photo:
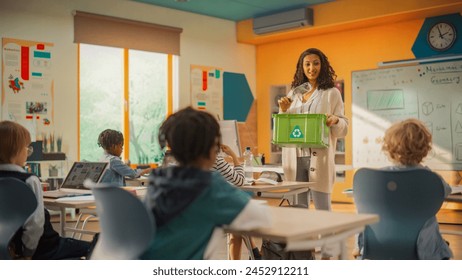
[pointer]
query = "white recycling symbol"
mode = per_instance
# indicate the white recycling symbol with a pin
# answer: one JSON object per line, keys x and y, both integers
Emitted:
{"x": 296, "y": 132}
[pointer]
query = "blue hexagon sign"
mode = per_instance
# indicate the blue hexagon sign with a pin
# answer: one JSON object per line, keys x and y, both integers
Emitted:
{"x": 421, "y": 48}
{"x": 237, "y": 97}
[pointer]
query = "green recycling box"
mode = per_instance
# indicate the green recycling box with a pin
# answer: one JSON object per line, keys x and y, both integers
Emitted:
{"x": 300, "y": 130}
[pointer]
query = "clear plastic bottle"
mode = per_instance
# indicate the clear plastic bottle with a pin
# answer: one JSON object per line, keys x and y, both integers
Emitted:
{"x": 248, "y": 159}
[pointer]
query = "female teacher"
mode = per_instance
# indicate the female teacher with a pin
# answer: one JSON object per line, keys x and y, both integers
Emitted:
{"x": 313, "y": 92}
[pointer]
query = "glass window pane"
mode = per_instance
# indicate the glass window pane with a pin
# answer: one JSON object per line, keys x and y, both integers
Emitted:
{"x": 101, "y": 96}
{"x": 148, "y": 104}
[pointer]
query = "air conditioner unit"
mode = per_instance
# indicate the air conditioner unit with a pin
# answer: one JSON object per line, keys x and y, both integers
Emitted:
{"x": 282, "y": 21}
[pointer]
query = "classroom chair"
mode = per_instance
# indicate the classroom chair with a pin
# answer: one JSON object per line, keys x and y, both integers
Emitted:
{"x": 17, "y": 203}
{"x": 85, "y": 215}
{"x": 404, "y": 200}
{"x": 127, "y": 226}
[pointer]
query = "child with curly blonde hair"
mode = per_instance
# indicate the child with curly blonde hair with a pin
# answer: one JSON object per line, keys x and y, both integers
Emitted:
{"x": 407, "y": 143}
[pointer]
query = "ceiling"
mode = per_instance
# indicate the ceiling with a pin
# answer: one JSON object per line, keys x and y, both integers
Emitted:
{"x": 235, "y": 10}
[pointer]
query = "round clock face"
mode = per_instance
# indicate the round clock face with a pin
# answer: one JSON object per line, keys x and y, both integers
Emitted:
{"x": 441, "y": 36}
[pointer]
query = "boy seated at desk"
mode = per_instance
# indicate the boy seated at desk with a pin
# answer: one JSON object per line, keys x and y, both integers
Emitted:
{"x": 112, "y": 141}
{"x": 406, "y": 144}
{"x": 189, "y": 201}
{"x": 36, "y": 239}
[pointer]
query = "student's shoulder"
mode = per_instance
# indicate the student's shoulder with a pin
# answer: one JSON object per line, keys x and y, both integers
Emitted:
{"x": 34, "y": 182}
{"x": 111, "y": 159}
{"x": 217, "y": 179}
{"x": 220, "y": 185}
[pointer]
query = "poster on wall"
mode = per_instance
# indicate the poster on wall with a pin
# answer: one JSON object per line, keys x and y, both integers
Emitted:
{"x": 27, "y": 86}
{"x": 207, "y": 89}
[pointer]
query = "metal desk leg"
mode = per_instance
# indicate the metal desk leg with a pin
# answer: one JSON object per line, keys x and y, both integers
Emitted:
{"x": 227, "y": 246}
{"x": 343, "y": 249}
{"x": 62, "y": 221}
{"x": 246, "y": 239}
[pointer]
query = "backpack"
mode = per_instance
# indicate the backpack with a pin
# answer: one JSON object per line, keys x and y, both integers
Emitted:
{"x": 271, "y": 250}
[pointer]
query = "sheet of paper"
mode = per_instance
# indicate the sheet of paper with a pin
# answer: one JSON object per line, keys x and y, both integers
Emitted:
{"x": 77, "y": 198}
{"x": 456, "y": 189}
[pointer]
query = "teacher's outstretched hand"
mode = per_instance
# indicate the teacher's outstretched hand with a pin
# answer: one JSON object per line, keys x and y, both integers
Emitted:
{"x": 284, "y": 103}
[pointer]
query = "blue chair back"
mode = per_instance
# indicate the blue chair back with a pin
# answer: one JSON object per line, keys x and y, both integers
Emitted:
{"x": 404, "y": 200}
{"x": 17, "y": 203}
{"x": 127, "y": 226}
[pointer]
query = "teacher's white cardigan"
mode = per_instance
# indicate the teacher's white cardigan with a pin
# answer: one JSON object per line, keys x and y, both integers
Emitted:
{"x": 322, "y": 166}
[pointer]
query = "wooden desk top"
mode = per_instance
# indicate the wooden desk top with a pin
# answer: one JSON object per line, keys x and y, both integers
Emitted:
{"x": 454, "y": 198}
{"x": 279, "y": 169}
{"x": 260, "y": 187}
{"x": 141, "y": 181}
{"x": 291, "y": 224}
{"x": 86, "y": 200}
{"x": 77, "y": 202}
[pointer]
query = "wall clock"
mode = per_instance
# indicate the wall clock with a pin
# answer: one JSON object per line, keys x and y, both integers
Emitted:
{"x": 441, "y": 36}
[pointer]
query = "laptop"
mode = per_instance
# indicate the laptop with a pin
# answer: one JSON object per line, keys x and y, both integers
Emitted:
{"x": 73, "y": 183}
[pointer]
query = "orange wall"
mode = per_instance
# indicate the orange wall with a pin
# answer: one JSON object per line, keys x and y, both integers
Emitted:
{"x": 338, "y": 16}
{"x": 347, "y": 50}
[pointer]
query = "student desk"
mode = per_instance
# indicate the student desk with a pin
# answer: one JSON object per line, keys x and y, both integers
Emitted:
{"x": 61, "y": 205}
{"x": 141, "y": 181}
{"x": 279, "y": 169}
{"x": 286, "y": 187}
{"x": 79, "y": 202}
{"x": 303, "y": 229}
{"x": 457, "y": 198}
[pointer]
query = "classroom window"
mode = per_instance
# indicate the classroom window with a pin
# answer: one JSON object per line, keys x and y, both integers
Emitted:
{"x": 148, "y": 103}
{"x": 111, "y": 78}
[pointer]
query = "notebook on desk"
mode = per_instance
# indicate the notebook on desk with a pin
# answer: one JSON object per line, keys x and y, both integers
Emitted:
{"x": 73, "y": 183}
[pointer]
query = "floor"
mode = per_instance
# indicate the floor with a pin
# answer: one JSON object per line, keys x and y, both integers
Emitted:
{"x": 450, "y": 220}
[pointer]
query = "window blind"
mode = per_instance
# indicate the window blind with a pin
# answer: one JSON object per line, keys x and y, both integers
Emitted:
{"x": 124, "y": 33}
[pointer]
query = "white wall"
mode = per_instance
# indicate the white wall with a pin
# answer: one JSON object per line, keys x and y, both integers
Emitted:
{"x": 205, "y": 41}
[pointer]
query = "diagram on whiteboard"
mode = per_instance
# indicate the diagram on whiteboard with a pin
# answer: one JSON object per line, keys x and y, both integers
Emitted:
{"x": 431, "y": 93}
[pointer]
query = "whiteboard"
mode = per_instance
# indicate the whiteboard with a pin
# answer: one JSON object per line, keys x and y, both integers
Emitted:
{"x": 230, "y": 136}
{"x": 429, "y": 92}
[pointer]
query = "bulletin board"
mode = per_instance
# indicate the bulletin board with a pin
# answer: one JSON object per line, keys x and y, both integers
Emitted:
{"x": 429, "y": 92}
{"x": 27, "y": 91}
{"x": 207, "y": 89}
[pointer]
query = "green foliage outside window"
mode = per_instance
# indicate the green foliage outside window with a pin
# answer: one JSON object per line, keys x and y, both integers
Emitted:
{"x": 102, "y": 104}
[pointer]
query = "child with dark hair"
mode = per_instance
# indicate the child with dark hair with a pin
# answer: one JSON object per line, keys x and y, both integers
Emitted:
{"x": 112, "y": 141}
{"x": 189, "y": 201}
{"x": 36, "y": 239}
